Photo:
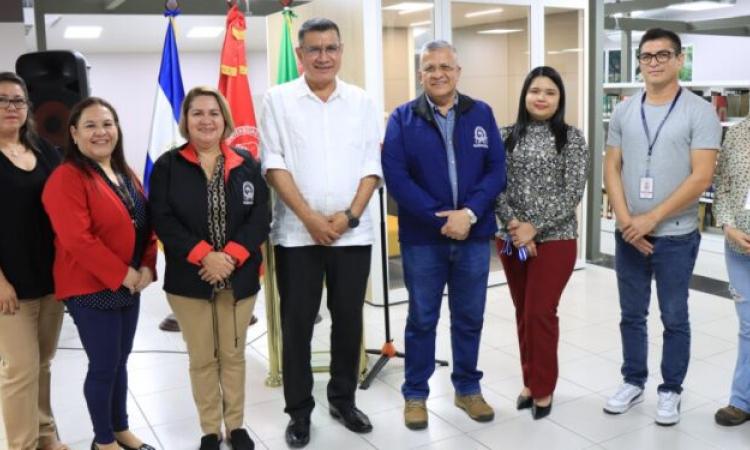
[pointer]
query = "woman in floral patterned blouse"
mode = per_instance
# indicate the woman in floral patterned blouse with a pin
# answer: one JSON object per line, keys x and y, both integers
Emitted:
{"x": 547, "y": 163}
{"x": 732, "y": 209}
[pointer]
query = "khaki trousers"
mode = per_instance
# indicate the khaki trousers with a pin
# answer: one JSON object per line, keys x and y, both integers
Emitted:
{"x": 215, "y": 336}
{"x": 28, "y": 341}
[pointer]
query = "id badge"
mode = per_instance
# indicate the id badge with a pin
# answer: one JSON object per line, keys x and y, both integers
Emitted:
{"x": 647, "y": 188}
{"x": 747, "y": 200}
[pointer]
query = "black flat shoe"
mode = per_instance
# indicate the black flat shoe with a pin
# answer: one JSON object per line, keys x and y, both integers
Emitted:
{"x": 142, "y": 447}
{"x": 210, "y": 442}
{"x": 298, "y": 432}
{"x": 352, "y": 418}
{"x": 524, "y": 402}
{"x": 240, "y": 440}
{"x": 540, "y": 412}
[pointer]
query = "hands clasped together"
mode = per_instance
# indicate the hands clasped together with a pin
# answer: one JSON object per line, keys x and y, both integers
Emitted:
{"x": 137, "y": 280}
{"x": 522, "y": 234}
{"x": 325, "y": 230}
{"x": 635, "y": 229}
{"x": 8, "y": 300}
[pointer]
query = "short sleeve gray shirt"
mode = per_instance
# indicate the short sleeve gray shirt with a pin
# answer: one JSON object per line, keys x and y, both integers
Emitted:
{"x": 692, "y": 125}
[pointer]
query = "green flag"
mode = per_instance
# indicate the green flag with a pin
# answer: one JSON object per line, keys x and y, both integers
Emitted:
{"x": 287, "y": 60}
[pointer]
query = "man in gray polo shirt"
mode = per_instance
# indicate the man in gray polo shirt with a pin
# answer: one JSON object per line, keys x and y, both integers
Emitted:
{"x": 661, "y": 153}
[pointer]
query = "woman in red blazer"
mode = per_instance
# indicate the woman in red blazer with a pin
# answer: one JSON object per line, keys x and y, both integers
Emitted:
{"x": 105, "y": 255}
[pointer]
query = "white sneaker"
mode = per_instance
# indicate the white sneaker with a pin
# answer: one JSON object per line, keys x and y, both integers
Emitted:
{"x": 626, "y": 396}
{"x": 668, "y": 408}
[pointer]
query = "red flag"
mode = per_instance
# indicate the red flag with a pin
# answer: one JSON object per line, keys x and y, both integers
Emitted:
{"x": 233, "y": 84}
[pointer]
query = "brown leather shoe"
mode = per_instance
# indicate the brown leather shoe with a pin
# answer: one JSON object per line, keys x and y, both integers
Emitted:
{"x": 169, "y": 324}
{"x": 730, "y": 416}
{"x": 475, "y": 407}
{"x": 415, "y": 414}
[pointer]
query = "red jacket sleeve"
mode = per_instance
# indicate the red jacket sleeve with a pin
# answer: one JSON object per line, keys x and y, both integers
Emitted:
{"x": 65, "y": 200}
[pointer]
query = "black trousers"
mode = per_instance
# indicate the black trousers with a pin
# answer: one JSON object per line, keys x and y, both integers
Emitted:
{"x": 300, "y": 272}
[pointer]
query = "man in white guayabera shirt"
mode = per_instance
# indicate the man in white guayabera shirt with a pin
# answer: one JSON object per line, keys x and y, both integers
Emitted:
{"x": 661, "y": 153}
{"x": 320, "y": 151}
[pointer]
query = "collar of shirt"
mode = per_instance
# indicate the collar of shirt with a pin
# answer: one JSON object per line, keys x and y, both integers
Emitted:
{"x": 303, "y": 89}
{"x": 436, "y": 108}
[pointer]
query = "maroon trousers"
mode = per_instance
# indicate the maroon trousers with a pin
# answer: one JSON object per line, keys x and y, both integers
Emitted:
{"x": 536, "y": 286}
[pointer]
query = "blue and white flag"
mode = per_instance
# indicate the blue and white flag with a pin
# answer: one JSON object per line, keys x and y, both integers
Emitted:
{"x": 165, "y": 133}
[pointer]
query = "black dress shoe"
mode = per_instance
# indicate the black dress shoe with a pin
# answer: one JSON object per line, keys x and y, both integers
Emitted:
{"x": 352, "y": 418}
{"x": 210, "y": 442}
{"x": 240, "y": 440}
{"x": 540, "y": 412}
{"x": 142, "y": 447}
{"x": 298, "y": 432}
{"x": 524, "y": 402}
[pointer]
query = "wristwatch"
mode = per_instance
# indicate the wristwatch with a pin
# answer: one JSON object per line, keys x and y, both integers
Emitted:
{"x": 353, "y": 220}
{"x": 472, "y": 216}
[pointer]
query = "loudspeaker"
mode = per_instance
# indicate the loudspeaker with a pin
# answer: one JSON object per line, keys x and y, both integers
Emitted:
{"x": 57, "y": 80}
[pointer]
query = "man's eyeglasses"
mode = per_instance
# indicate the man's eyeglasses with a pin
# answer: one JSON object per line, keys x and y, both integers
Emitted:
{"x": 18, "y": 102}
{"x": 661, "y": 57}
{"x": 330, "y": 50}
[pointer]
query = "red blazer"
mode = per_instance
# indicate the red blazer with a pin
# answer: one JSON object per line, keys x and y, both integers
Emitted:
{"x": 94, "y": 235}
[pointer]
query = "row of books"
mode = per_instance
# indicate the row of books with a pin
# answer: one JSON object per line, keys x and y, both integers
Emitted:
{"x": 732, "y": 103}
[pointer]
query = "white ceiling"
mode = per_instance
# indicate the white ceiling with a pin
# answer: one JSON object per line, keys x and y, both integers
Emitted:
{"x": 143, "y": 33}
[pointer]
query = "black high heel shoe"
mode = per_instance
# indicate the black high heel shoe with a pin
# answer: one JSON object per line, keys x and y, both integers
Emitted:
{"x": 540, "y": 412}
{"x": 524, "y": 402}
{"x": 142, "y": 447}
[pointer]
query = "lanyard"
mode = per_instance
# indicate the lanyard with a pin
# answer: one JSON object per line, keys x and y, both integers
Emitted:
{"x": 651, "y": 143}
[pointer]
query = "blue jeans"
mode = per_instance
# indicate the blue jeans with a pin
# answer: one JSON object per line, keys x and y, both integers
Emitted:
{"x": 464, "y": 266}
{"x": 671, "y": 265}
{"x": 107, "y": 336}
{"x": 738, "y": 267}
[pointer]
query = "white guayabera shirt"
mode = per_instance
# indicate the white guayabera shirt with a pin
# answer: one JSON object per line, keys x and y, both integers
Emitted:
{"x": 327, "y": 147}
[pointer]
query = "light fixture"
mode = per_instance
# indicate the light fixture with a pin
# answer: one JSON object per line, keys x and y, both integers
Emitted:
{"x": 499, "y": 31}
{"x": 421, "y": 24}
{"x": 485, "y": 12}
{"x": 204, "y": 32}
{"x": 701, "y": 5}
{"x": 408, "y": 7}
{"x": 82, "y": 32}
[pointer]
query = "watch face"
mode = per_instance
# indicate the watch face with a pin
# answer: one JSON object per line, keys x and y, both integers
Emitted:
{"x": 353, "y": 222}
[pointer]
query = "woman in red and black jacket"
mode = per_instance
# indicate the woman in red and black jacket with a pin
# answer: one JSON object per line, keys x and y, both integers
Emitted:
{"x": 105, "y": 255}
{"x": 210, "y": 209}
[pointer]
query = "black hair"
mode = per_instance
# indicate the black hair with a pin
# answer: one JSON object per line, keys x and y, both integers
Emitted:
{"x": 556, "y": 122}
{"x": 74, "y": 155}
{"x": 319, "y": 24}
{"x": 27, "y": 134}
{"x": 653, "y": 34}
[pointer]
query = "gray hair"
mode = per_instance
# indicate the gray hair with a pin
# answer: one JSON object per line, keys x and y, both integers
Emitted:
{"x": 437, "y": 44}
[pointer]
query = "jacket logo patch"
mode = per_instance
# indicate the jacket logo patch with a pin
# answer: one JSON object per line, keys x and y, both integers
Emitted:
{"x": 480, "y": 138}
{"x": 248, "y": 193}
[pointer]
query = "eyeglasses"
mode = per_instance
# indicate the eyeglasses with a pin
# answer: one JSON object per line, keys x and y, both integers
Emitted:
{"x": 18, "y": 102}
{"x": 442, "y": 68}
{"x": 661, "y": 57}
{"x": 330, "y": 50}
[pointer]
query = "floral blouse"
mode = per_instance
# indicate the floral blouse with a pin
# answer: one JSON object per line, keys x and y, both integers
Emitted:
{"x": 544, "y": 187}
{"x": 732, "y": 180}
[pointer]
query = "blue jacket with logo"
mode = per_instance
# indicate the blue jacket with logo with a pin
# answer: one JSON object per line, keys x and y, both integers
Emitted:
{"x": 415, "y": 167}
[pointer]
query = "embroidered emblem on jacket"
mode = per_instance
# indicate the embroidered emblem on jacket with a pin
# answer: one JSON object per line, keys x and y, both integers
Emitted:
{"x": 480, "y": 138}
{"x": 248, "y": 193}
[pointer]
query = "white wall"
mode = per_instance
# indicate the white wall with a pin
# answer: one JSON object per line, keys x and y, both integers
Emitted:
{"x": 128, "y": 81}
{"x": 13, "y": 43}
{"x": 715, "y": 58}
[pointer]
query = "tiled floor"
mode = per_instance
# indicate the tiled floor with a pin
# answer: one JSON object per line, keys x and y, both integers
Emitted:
{"x": 162, "y": 411}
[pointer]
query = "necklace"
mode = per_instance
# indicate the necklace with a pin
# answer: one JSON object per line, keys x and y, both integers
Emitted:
{"x": 16, "y": 151}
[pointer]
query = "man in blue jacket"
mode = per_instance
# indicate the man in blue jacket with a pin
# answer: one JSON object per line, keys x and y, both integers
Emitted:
{"x": 444, "y": 164}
